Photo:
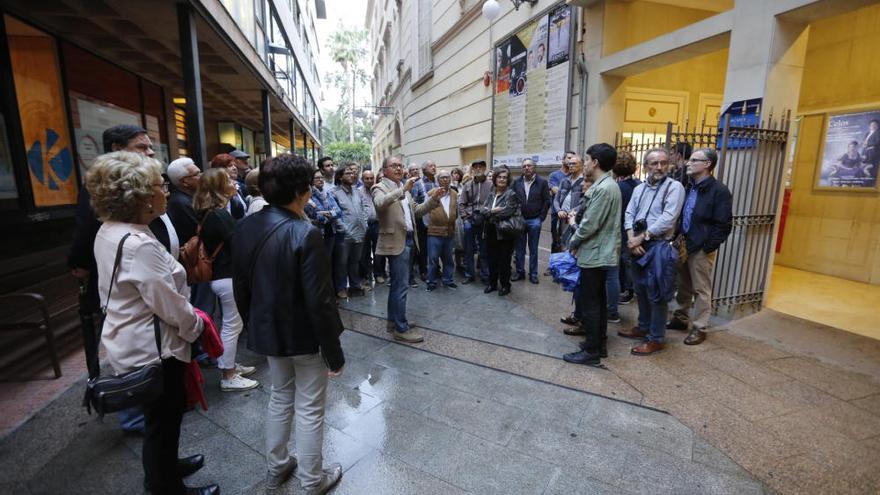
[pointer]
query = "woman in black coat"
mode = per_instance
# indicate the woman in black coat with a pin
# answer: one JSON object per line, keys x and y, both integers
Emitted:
{"x": 501, "y": 205}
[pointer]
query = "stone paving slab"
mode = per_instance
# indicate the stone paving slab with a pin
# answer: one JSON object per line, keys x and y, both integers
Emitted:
{"x": 465, "y": 429}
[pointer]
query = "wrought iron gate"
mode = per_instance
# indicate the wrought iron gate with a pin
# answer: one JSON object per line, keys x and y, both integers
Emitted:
{"x": 751, "y": 160}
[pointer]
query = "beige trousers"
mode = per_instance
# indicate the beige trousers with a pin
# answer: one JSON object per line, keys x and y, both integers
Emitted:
{"x": 695, "y": 289}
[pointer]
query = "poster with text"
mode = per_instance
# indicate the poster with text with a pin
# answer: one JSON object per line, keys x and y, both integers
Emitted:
{"x": 851, "y": 152}
{"x": 532, "y": 81}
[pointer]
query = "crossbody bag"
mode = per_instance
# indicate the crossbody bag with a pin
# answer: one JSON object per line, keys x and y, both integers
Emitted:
{"x": 111, "y": 394}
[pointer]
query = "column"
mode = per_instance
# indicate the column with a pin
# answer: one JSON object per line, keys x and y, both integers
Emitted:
{"x": 267, "y": 124}
{"x": 192, "y": 82}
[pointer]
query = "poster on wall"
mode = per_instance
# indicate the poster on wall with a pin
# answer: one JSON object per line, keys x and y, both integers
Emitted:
{"x": 43, "y": 120}
{"x": 851, "y": 152}
{"x": 90, "y": 118}
{"x": 532, "y": 82}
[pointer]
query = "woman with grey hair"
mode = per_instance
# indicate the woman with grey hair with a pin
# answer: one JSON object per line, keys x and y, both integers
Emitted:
{"x": 128, "y": 193}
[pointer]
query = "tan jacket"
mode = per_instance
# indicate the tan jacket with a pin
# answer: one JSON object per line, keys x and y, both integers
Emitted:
{"x": 439, "y": 223}
{"x": 392, "y": 202}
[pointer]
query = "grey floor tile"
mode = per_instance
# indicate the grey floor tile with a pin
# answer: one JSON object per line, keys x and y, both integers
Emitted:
{"x": 382, "y": 474}
{"x": 478, "y": 415}
{"x": 401, "y": 433}
{"x": 345, "y": 405}
{"x": 486, "y": 468}
{"x": 568, "y": 481}
{"x": 229, "y": 462}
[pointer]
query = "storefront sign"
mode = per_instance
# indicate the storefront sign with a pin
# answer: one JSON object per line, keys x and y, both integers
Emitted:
{"x": 531, "y": 96}
{"x": 851, "y": 152}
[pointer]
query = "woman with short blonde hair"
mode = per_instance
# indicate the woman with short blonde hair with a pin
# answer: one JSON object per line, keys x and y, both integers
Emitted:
{"x": 210, "y": 203}
{"x": 148, "y": 294}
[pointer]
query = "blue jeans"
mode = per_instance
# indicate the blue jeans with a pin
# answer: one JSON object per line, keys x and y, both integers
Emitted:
{"x": 473, "y": 243}
{"x": 612, "y": 288}
{"x": 533, "y": 233}
{"x": 625, "y": 268}
{"x": 131, "y": 419}
{"x": 398, "y": 266}
{"x": 652, "y": 316}
{"x": 440, "y": 250}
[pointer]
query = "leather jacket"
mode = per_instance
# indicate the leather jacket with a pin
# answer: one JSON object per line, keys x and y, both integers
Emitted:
{"x": 281, "y": 280}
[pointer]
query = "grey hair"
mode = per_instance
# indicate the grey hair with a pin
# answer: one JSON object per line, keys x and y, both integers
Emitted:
{"x": 426, "y": 163}
{"x": 177, "y": 170}
{"x": 120, "y": 184}
{"x": 387, "y": 160}
{"x": 652, "y": 151}
{"x": 711, "y": 155}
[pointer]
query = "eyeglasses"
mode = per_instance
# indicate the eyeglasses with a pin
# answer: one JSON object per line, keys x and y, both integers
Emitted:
{"x": 697, "y": 160}
{"x": 396, "y": 165}
{"x": 164, "y": 185}
{"x": 658, "y": 163}
{"x": 197, "y": 174}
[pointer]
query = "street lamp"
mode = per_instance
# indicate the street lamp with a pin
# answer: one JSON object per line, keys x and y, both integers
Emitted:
{"x": 491, "y": 9}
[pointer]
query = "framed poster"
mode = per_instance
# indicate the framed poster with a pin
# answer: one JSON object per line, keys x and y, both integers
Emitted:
{"x": 532, "y": 92}
{"x": 850, "y": 152}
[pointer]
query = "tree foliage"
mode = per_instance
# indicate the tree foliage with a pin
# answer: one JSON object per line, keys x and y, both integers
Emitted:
{"x": 348, "y": 48}
{"x": 335, "y": 127}
{"x": 342, "y": 151}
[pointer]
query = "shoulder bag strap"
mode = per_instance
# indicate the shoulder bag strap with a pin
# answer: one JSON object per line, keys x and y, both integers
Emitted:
{"x": 115, "y": 269}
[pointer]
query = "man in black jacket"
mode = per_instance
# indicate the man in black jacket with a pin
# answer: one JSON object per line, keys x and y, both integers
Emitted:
{"x": 184, "y": 176}
{"x": 705, "y": 221}
{"x": 534, "y": 195}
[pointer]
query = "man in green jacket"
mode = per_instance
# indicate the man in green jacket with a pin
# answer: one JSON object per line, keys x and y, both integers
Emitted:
{"x": 596, "y": 243}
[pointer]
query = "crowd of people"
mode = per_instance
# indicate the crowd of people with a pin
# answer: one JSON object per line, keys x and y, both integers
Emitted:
{"x": 286, "y": 242}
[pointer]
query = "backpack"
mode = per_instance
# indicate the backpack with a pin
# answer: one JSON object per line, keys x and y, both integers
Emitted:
{"x": 195, "y": 259}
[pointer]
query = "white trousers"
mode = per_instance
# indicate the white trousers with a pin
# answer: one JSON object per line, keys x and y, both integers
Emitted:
{"x": 232, "y": 324}
{"x": 299, "y": 385}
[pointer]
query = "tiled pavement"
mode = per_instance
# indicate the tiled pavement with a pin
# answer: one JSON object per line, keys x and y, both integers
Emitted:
{"x": 401, "y": 421}
{"x": 797, "y": 424}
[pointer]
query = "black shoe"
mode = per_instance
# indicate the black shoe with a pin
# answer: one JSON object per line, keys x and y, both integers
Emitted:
{"x": 450, "y": 285}
{"x": 533, "y": 279}
{"x": 185, "y": 467}
{"x": 414, "y": 284}
{"x": 424, "y": 277}
{"x": 356, "y": 292}
{"x": 189, "y": 465}
{"x": 489, "y": 288}
{"x": 582, "y": 357}
{"x": 203, "y": 490}
{"x": 504, "y": 291}
{"x": 431, "y": 287}
{"x": 467, "y": 280}
{"x": 571, "y": 320}
{"x": 676, "y": 324}
{"x": 626, "y": 297}
{"x": 603, "y": 351}
{"x": 517, "y": 277}
{"x": 613, "y": 317}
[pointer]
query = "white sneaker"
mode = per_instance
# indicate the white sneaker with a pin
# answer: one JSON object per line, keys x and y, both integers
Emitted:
{"x": 244, "y": 370}
{"x": 238, "y": 383}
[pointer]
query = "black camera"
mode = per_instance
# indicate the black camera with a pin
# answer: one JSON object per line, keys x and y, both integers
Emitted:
{"x": 640, "y": 226}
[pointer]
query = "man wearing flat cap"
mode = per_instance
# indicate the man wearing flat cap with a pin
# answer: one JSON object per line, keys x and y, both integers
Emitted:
{"x": 243, "y": 167}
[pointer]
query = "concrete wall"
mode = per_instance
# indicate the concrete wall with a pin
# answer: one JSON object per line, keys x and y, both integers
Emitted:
{"x": 831, "y": 232}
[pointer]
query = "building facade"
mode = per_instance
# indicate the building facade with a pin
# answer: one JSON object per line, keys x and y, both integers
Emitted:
{"x": 444, "y": 86}
{"x": 203, "y": 77}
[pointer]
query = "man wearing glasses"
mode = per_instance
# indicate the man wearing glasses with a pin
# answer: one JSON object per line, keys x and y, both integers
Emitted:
{"x": 184, "y": 176}
{"x": 706, "y": 221}
{"x": 397, "y": 212}
{"x": 650, "y": 221}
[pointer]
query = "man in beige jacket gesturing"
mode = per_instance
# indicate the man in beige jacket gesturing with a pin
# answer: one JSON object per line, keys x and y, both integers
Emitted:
{"x": 397, "y": 213}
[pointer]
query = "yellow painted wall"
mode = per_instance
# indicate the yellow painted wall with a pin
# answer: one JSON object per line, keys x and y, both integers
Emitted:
{"x": 703, "y": 74}
{"x": 630, "y": 23}
{"x": 835, "y": 233}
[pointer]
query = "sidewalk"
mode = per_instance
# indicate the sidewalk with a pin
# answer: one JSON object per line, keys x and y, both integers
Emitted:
{"x": 401, "y": 421}
{"x": 797, "y": 424}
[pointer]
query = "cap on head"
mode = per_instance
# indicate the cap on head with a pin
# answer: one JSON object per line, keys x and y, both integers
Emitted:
{"x": 239, "y": 154}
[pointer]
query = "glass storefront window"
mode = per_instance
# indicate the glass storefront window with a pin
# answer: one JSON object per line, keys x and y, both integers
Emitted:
{"x": 8, "y": 189}
{"x": 37, "y": 76}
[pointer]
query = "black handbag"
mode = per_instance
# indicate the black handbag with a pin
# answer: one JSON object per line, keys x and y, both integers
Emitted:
{"x": 511, "y": 227}
{"x": 111, "y": 394}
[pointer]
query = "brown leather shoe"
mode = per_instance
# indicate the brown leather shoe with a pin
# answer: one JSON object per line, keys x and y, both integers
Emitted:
{"x": 574, "y": 331}
{"x": 633, "y": 333}
{"x": 647, "y": 348}
{"x": 695, "y": 337}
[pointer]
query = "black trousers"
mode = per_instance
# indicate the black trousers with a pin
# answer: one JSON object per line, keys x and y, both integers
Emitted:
{"x": 500, "y": 252}
{"x": 90, "y": 321}
{"x": 594, "y": 308}
{"x": 162, "y": 420}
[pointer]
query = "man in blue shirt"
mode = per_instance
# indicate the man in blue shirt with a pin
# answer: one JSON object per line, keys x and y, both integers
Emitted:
{"x": 706, "y": 221}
